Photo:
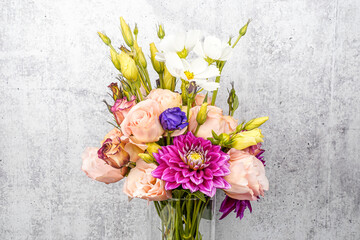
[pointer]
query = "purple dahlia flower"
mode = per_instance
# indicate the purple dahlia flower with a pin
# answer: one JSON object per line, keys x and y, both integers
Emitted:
{"x": 193, "y": 163}
{"x": 229, "y": 204}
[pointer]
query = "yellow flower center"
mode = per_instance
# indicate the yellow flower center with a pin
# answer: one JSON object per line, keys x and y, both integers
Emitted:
{"x": 195, "y": 156}
{"x": 189, "y": 75}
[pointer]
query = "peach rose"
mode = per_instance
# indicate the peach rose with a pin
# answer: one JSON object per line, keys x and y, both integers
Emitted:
{"x": 98, "y": 169}
{"x": 122, "y": 107}
{"x": 215, "y": 121}
{"x": 247, "y": 177}
{"x": 199, "y": 99}
{"x": 142, "y": 123}
{"x": 141, "y": 184}
{"x": 166, "y": 98}
{"x": 117, "y": 150}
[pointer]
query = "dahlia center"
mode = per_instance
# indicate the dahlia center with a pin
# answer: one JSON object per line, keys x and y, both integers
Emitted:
{"x": 189, "y": 75}
{"x": 195, "y": 159}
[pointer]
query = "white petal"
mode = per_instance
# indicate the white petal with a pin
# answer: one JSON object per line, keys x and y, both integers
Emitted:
{"x": 179, "y": 41}
{"x": 212, "y": 47}
{"x": 211, "y": 71}
{"x": 226, "y": 52}
{"x": 174, "y": 64}
{"x": 166, "y": 44}
{"x": 198, "y": 66}
{"x": 160, "y": 57}
{"x": 192, "y": 38}
{"x": 206, "y": 85}
{"x": 199, "y": 50}
{"x": 186, "y": 64}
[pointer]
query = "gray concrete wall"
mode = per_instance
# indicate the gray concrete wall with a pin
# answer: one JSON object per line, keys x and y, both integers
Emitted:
{"x": 299, "y": 64}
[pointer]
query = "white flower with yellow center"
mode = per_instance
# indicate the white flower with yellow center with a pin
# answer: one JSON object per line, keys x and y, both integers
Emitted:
{"x": 213, "y": 49}
{"x": 197, "y": 70}
{"x": 181, "y": 44}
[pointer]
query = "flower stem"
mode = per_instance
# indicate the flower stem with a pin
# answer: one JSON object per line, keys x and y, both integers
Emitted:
{"x": 217, "y": 80}
{"x": 140, "y": 94}
{"x": 161, "y": 80}
{"x": 197, "y": 129}
{"x": 168, "y": 138}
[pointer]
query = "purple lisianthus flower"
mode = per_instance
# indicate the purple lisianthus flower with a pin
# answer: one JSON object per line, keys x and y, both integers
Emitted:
{"x": 239, "y": 206}
{"x": 173, "y": 119}
{"x": 192, "y": 163}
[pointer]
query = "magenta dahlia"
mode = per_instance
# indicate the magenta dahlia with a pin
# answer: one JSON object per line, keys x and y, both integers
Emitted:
{"x": 194, "y": 163}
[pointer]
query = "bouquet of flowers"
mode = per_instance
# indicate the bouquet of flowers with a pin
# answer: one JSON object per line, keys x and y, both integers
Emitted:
{"x": 173, "y": 145}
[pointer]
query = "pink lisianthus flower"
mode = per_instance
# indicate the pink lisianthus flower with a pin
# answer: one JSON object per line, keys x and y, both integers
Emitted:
{"x": 121, "y": 108}
{"x": 194, "y": 163}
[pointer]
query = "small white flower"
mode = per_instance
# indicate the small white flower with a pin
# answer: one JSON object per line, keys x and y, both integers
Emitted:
{"x": 181, "y": 43}
{"x": 213, "y": 48}
{"x": 198, "y": 70}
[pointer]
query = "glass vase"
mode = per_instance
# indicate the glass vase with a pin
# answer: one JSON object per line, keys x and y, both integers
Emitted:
{"x": 183, "y": 218}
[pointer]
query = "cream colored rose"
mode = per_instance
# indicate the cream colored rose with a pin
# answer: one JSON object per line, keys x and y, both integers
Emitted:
{"x": 215, "y": 121}
{"x": 166, "y": 98}
{"x": 142, "y": 123}
{"x": 141, "y": 184}
{"x": 247, "y": 177}
{"x": 199, "y": 99}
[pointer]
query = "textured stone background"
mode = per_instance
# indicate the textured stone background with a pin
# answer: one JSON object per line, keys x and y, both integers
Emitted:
{"x": 299, "y": 64}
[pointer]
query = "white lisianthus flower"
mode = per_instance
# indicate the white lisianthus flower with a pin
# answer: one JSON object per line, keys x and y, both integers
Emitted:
{"x": 214, "y": 49}
{"x": 197, "y": 70}
{"x": 181, "y": 43}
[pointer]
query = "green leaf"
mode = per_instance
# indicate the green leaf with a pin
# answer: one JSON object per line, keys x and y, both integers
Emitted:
{"x": 214, "y": 135}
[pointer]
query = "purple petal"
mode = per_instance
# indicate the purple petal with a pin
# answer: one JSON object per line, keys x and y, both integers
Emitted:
{"x": 171, "y": 185}
{"x": 179, "y": 178}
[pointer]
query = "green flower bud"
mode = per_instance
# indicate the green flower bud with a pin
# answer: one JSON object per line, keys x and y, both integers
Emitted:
{"x": 140, "y": 55}
{"x": 169, "y": 80}
{"x": 128, "y": 67}
{"x": 255, "y": 123}
{"x": 224, "y": 138}
{"x": 104, "y": 38}
{"x": 158, "y": 66}
{"x": 136, "y": 30}
{"x": 246, "y": 139}
{"x": 152, "y": 148}
{"x": 114, "y": 59}
{"x": 147, "y": 157}
{"x": 161, "y": 31}
{"x": 243, "y": 30}
{"x": 202, "y": 114}
{"x": 126, "y": 32}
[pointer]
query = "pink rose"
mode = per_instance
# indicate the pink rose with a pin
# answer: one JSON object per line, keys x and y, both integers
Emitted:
{"x": 98, "y": 169}
{"x": 230, "y": 124}
{"x": 166, "y": 98}
{"x": 215, "y": 121}
{"x": 199, "y": 99}
{"x": 117, "y": 150}
{"x": 142, "y": 123}
{"x": 141, "y": 184}
{"x": 122, "y": 107}
{"x": 247, "y": 177}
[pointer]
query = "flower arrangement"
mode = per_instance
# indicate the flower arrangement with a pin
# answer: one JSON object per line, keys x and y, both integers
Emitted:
{"x": 171, "y": 141}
